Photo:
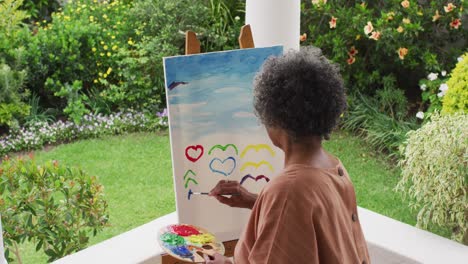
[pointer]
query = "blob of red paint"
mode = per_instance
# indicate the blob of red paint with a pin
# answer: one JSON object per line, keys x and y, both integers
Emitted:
{"x": 184, "y": 230}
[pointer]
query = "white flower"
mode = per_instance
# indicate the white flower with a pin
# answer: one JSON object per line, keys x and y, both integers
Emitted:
{"x": 459, "y": 59}
{"x": 443, "y": 87}
{"x": 420, "y": 115}
{"x": 237, "y": 18}
{"x": 443, "y": 73}
{"x": 432, "y": 76}
{"x": 441, "y": 94}
{"x": 423, "y": 87}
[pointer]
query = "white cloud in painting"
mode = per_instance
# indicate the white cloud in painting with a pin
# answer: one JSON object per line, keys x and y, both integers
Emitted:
{"x": 177, "y": 95}
{"x": 243, "y": 115}
{"x": 184, "y": 108}
{"x": 202, "y": 124}
{"x": 202, "y": 114}
{"x": 231, "y": 89}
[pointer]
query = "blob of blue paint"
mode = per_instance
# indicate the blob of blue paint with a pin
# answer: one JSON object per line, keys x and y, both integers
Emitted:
{"x": 190, "y": 194}
{"x": 181, "y": 251}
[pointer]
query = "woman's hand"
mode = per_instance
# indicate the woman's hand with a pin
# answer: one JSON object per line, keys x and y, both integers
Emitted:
{"x": 241, "y": 199}
{"x": 217, "y": 259}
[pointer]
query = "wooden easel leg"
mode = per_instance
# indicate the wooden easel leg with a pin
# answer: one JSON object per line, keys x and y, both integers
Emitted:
{"x": 245, "y": 38}
{"x": 192, "y": 44}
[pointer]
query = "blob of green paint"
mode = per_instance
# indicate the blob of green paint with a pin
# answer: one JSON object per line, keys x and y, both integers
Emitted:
{"x": 173, "y": 239}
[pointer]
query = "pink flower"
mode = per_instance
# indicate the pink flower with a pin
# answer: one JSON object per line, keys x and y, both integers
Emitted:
{"x": 402, "y": 52}
{"x": 333, "y": 22}
{"x": 449, "y": 7}
{"x": 351, "y": 60}
{"x": 436, "y": 16}
{"x": 368, "y": 28}
{"x": 405, "y": 4}
{"x": 303, "y": 37}
{"x": 375, "y": 35}
{"x": 455, "y": 23}
{"x": 353, "y": 51}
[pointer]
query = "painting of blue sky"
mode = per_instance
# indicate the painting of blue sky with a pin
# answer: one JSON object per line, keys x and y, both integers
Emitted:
{"x": 212, "y": 92}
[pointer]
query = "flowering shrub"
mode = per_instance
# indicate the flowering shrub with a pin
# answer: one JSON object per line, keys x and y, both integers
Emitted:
{"x": 55, "y": 206}
{"x": 456, "y": 98}
{"x": 105, "y": 56}
{"x": 76, "y": 53}
{"x": 374, "y": 39}
{"x": 434, "y": 173}
{"x": 433, "y": 88}
{"x": 37, "y": 134}
{"x": 436, "y": 90}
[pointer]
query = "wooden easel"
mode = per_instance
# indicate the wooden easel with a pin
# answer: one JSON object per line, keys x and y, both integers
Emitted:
{"x": 192, "y": 46}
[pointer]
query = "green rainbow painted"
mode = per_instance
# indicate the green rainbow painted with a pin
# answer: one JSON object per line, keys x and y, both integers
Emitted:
{"x": 190, "y": 179}
{"x": 189, "y": 171}
{"x": 223, "y": 148}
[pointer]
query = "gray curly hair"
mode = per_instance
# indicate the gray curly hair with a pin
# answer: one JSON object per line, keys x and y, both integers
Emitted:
{"x": 301, "y": 92}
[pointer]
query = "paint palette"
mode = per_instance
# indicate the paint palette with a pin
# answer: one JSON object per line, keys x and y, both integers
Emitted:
{"x": 188, "y": 242}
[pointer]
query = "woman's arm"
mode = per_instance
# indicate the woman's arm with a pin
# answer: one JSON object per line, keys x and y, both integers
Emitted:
{"x": 241, "y": 198}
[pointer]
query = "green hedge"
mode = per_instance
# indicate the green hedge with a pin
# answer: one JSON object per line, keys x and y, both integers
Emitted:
{"x": 373, "y": 39}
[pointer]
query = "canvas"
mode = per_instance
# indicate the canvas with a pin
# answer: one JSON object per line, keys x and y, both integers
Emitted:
{"x": 215, "y": 134}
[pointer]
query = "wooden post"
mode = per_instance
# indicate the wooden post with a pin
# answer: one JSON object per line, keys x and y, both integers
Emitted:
{"x": 192, "y": 46}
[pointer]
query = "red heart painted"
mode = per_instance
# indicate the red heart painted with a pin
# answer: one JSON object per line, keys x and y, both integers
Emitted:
{"x": 198, "y": 152}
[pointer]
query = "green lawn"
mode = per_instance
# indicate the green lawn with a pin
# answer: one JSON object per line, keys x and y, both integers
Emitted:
{"x": 136, "y": 172}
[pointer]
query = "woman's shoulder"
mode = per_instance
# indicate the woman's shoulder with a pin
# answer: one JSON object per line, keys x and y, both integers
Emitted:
{"x": 294, "y": 178}
{"x": 297, "y": 181}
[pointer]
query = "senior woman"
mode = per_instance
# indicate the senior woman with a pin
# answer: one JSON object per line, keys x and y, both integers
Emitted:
{"x": 308, "y": 213}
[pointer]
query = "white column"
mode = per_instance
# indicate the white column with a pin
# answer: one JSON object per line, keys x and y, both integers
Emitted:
{"x": 2, "y": 256}
{"x": 274, "y": 22}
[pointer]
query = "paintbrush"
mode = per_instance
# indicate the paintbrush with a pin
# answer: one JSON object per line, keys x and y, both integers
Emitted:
{"x": 190, "y": 193}
{"x": 205, "y": 193}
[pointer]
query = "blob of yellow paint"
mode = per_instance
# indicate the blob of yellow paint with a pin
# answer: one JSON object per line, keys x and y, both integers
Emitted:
{"x": 204, "y": 238}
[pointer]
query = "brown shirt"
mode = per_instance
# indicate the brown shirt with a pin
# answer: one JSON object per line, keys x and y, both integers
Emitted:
{"x": 305, "y": 215}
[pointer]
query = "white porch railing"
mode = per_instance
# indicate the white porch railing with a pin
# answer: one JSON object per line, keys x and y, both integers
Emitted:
{"x": 2, "y": 257}
{"x": 389, "y": 242}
